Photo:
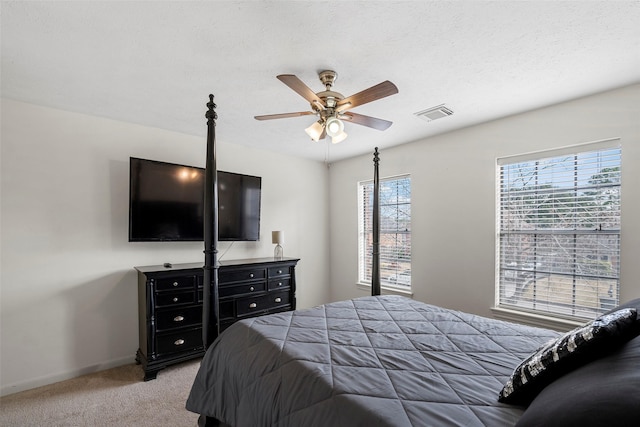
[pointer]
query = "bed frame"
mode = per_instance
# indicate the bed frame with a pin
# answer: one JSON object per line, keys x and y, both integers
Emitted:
{"x": 210, "y": 317}
{"x": 210, "y": 309}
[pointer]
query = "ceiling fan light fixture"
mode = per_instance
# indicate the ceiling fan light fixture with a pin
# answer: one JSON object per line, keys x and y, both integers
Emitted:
{"x": 315, "y": 131}
{"x": 335, "y": 127}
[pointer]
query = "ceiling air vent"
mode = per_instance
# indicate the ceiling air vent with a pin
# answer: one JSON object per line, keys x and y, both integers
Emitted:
{"x": 434, "y": 113}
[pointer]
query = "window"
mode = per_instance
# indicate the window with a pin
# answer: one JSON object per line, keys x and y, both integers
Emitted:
{"x": 559, "y": 231}
{"x": 395, "y": 231}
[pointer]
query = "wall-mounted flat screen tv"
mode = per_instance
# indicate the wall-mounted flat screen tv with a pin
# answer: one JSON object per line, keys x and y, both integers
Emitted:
{"x": 166, "y": 203}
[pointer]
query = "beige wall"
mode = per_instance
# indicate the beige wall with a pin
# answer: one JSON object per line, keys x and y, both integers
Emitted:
{"x": 69, "y": 301}
{"x": 453, "y": 197}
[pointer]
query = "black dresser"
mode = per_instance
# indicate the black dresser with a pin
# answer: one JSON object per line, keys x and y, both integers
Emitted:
{"x": 170, "y": 304}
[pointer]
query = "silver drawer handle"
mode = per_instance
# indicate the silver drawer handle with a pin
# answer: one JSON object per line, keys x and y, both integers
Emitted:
{"x": 251, "y": 275}
{"x": 178, "y": 319}
{"x": 252, "y": 289}
{"x": 253, "y": 305}
{"x": 175, "y": 283}
{"x": 279, "y": 283}
{"x": 179, "y": 342}
{"x": 278, "y": 299}
{"x": 279, "y": 271}
{"x": 175, "y": 299}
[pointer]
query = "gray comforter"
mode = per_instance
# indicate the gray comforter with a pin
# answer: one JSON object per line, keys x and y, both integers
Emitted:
{"x": 372, "y": 361}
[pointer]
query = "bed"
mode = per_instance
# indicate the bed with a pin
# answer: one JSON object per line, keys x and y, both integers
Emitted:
{"x": 392, "y": 361}
{"x": 371, "y": 361}
{"x": 385, "y": 360}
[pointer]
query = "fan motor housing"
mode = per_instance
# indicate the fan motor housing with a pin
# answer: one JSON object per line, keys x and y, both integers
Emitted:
{"x": 329, "y": 97}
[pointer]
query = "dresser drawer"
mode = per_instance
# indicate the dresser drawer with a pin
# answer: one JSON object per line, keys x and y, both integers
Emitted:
{"x": 278, "y": 271}
{"x": 177, "y": 282}
{"x": 240, "y": 289}
{"x": 241, "y": 275}
{"x": 245, "y": 306}
{"x": 279, "y": 284}
{"x": 179, "y": 317}
{"x": 179, "y": 341}
{"x": 174, "y": 298}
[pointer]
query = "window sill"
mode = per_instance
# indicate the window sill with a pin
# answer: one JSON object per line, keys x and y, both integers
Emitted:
{"x": 387, "y": 290}
{"x": 533, "y": 319}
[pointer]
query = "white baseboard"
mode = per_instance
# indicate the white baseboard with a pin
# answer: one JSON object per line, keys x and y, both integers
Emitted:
{"x": 54, "y": 378}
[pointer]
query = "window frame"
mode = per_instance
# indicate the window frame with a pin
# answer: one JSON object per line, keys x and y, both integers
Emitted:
{"x": 555, "y": 317}
{"x": 365, "y": 251}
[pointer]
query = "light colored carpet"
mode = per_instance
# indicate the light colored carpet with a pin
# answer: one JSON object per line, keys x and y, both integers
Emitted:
{"x": 115, "y": 397}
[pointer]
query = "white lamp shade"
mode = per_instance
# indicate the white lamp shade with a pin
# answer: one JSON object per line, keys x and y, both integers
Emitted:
{"x": 314, "y": 131}
{"x": 334, "y": 127}
{"x": 339, "y": 138}
{"x": 277, "y": 237}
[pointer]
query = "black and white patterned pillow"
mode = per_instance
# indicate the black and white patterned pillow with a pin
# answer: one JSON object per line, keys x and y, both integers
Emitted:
{"x": 567, "y": 352}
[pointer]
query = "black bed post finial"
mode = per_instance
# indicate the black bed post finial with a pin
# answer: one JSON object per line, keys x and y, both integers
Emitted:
{"x": 375, "y": 263}
{"x": 211, "y": 114}
{"x": 210, "y": 317}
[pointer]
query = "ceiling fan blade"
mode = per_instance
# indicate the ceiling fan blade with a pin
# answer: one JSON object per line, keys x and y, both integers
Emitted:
{"x": 302, "y": 89}
{"x": 368, "y": 121}
{"x": 284, "y": 115}
{"x": 374, "y": 93}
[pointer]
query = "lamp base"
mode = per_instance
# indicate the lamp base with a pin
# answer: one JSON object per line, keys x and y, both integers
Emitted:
{"x": 278, "y": 253}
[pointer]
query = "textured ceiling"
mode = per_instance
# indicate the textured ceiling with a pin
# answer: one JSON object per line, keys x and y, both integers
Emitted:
{"x": 155, "y": 62}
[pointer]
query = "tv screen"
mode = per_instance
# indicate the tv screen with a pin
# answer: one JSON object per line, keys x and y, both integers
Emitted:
{"x": 166, "y": 203}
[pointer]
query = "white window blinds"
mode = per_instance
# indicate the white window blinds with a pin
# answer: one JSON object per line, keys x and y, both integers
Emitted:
{"x": 395, "y": 231}
{"x": 559, "y": 231}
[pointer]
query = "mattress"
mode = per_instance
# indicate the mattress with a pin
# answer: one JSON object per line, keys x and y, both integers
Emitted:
{"x": 371, "y": 361}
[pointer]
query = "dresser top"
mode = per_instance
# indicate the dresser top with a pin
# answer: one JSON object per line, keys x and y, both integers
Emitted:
{"x": 231, "y": 262}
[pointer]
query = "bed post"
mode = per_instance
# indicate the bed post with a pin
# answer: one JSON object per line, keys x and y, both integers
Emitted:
{"x": 375, "y": 263}
{"x": 210, "y": 285}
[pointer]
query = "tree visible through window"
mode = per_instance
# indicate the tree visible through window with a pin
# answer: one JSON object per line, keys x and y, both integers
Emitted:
{"x": 559, "y": 233}
{"x": 395, "y": 231}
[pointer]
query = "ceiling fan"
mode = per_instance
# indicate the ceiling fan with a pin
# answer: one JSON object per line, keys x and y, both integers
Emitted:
{"x": 332, "y": 108}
